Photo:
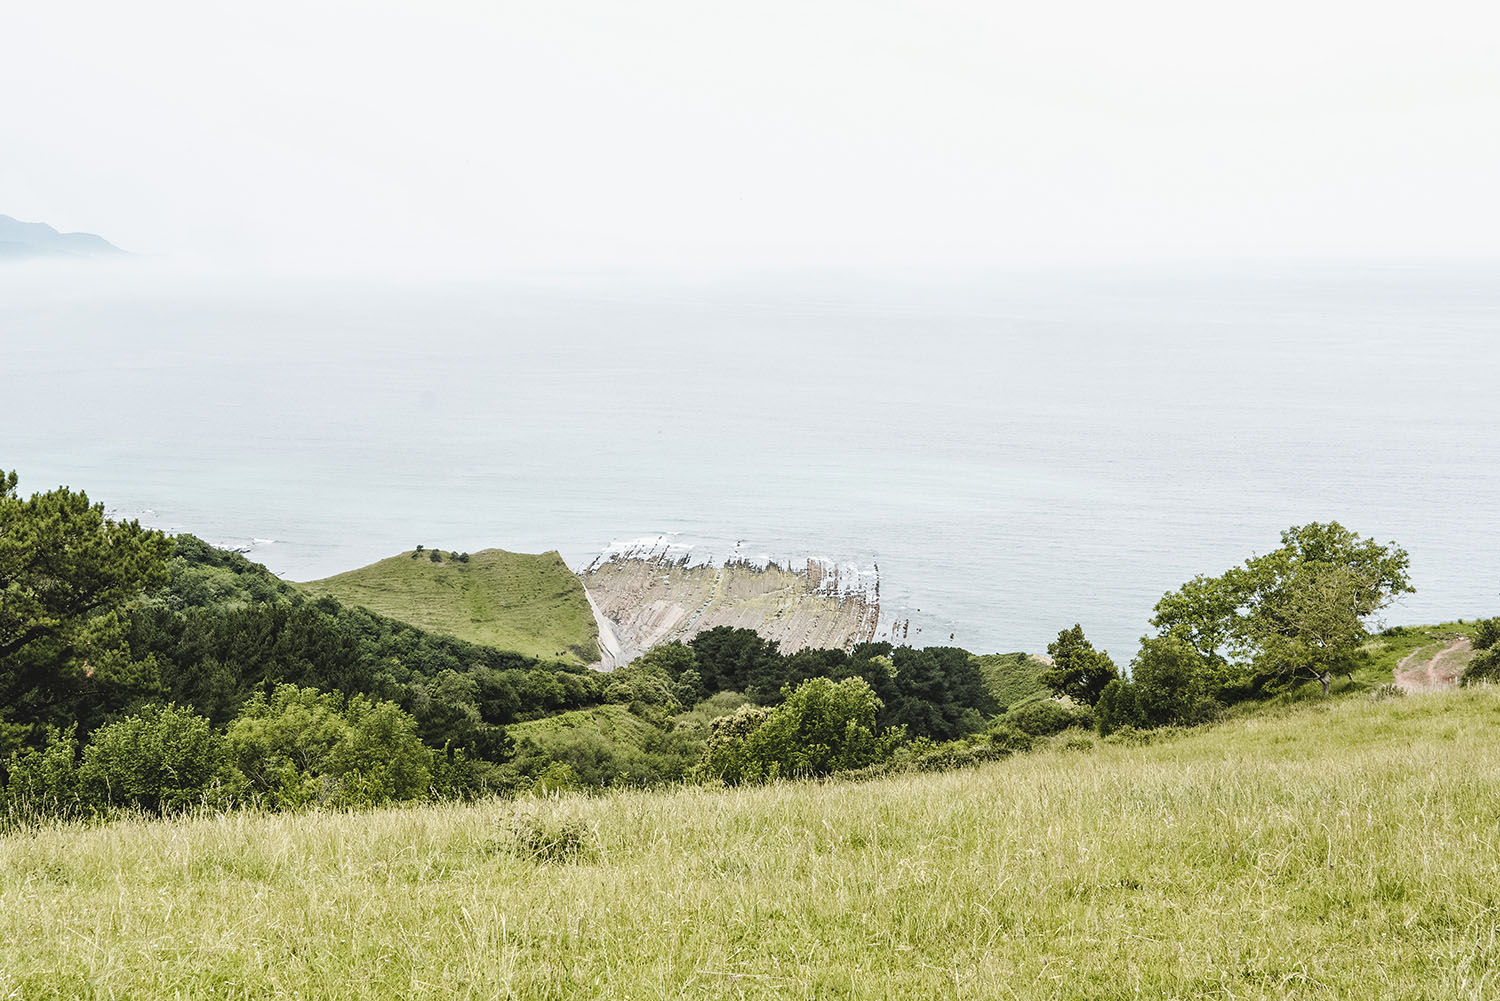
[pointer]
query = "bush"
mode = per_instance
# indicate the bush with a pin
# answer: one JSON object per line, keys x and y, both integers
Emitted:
{"x": 163, "y": 759}
{"x": 1486, "y": 663}
{"x": 43, "y": 782}
{"x": 821, "y": 728}
{"x": 1005, "y": 736}
{"x": 1170, "y": 680}
{"x": 280, "y": 748}
{"x": 1487, "y": 634}
{"x": 1117, "y": 708}
{"x": 1076, "y": 742}
{"x": 381, "y": 758}
{"x": 303, "y": 746}
{"x": 1042, "y": 719}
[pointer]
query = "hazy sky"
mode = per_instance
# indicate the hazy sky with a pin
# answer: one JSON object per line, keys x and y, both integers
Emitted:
{"x": 612, "y": 133}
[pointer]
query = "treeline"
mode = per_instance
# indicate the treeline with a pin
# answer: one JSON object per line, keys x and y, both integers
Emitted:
{"x": 138, "y": 670}
{"x": 145, "y": 672}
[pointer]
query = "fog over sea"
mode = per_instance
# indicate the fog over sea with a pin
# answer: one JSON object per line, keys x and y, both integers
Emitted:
{"x": 1016, "y": 451}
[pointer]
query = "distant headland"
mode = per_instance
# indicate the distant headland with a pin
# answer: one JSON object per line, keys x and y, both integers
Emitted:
{"x": 25, "y": 240}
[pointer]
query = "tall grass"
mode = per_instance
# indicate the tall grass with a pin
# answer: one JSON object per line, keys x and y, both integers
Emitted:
{"x": 1345, "y": 850}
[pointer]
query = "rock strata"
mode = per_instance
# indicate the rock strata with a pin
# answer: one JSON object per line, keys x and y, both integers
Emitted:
{"x": 646, "y": 598}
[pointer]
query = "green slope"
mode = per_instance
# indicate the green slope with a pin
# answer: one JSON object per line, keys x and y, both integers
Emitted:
{"x": 532, "y": 604}
{"x": 1341, "y": 850}
{"x": 1013, "y": 679}
{"x": 613, "y": 722}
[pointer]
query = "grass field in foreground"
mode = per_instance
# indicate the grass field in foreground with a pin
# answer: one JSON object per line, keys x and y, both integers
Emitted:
{"x": 1345, "y": 850}
{"x": 530, "y": 604}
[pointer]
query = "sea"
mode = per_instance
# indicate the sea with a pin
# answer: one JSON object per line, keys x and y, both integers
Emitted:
{"x": 1010, "y": 451}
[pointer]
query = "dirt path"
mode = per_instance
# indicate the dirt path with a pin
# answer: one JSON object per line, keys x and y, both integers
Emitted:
{"x": 1437, "y": 672}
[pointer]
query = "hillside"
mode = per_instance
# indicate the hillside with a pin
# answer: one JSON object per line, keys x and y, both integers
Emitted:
{"x": 1345, "y": 850}
{"x": 36, "y": 239}
{"x": 1013, "y": 679}
{"x": 532, "y": 604}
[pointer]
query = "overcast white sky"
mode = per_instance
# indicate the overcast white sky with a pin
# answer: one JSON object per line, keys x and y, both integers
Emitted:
{"x": 584, "y": 134}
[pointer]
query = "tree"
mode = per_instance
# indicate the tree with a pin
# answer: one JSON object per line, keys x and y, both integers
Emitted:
{"x": 381, "y": 758}
{"x": 1297, "y": 613}
{"x": 1205, "y": 612}
{"x": 1078, "y": 670}
{"x": 1169, "y": 683}
{"x": 69, "y": 578}
{"x": 280, "y": 747}
{"x": 822, "y": 727}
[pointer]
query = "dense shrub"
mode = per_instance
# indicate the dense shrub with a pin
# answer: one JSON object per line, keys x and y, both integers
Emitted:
{"x": 162, "y": 759}
{"x": 1008, "y": 738}
{"x": 43, "y": 781}
{"x": 1485, "y": 667}
{"x": 303, "y": 746}
{"x": 1042, "y": 719}
{"x": 821, "y": 728}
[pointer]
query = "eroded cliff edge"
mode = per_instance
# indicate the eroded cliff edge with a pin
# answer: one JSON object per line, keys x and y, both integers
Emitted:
{"x": 652, "y": 595}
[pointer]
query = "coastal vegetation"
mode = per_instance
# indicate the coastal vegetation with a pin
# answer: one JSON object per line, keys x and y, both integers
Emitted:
{"x": 142, "y": 672}
{"x": 531, "y": 604}
{"x": 1336, "y": 848}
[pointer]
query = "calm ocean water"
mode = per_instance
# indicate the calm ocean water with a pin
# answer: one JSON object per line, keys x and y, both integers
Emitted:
{"x": 1016, "y": 452}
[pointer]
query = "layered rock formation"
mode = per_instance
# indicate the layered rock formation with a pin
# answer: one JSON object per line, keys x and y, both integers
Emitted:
{"x": 648, "y": 596}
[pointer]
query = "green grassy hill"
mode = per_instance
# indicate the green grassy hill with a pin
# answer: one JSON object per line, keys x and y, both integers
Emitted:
{"x": 530, "y": 604}
{"x": 1346, "y": 849}
{"x": 1013, "y": 679}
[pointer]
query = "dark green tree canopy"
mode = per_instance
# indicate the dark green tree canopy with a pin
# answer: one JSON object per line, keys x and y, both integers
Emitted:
{"x": 69, "y": 577}
{"x": 1078, "y": 670}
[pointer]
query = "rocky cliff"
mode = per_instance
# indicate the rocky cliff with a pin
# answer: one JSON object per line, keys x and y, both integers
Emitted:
{"x": 650, "y": 594}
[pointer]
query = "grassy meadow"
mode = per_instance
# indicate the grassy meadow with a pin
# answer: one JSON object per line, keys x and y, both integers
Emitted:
{"x": 532, "y": 604}
{"x": 1347, "y": 849}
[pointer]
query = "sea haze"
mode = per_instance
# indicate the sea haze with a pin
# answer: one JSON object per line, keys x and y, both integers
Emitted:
{"x": 1016, "y": 452}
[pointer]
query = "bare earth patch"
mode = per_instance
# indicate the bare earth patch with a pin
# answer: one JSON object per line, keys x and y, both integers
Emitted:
{"x": 1436, "y": 672}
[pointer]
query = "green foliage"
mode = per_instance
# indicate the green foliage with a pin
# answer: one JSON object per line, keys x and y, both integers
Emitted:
{"x": 1049, "y": 716}
{"x": 1205, "y": 612}
{"x": 302, "y": 747}
{"x": 1485, "y": 667}
{"x": 1487, "y": 634}
{"x": 1006, "y": 736}
{"x": 822, "y": 727}
{"x": 381, "y": 759}
{"x": 280, "y": 747}
{"x": 69, "y": 580}
{"x": 162, "y": 759}
{"x": 42, "y": 781}
{"x": 604, "y": 747}
{"x": 1172, "y": 682}
{"x": 1295, "y": 614}
{"x": 1078, "y": 670}
{"x": 224, "y": 628}
{"x": 648, "y": 689}
{"x": 1117, "y": 708}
